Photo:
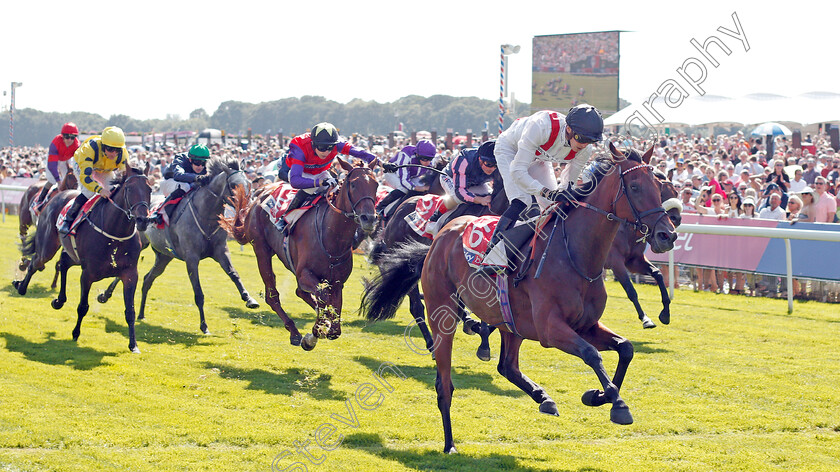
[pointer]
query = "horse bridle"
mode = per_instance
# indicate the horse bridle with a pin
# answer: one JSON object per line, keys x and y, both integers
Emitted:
{"x": 354, "y": 215}
{"x": 218, "y": 197}
{"x": 130, "y": 212}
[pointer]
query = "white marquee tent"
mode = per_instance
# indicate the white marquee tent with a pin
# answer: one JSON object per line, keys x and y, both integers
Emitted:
{"x": 695, "y": 110}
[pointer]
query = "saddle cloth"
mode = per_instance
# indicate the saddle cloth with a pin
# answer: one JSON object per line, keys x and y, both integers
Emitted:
{"x": 80, "y": 217}
{"x": 512, "y": 254}
{"x": 159, "y": 208}
{"x": 36, "y": 207}
{"x": 418, "y": 220}
{"x": 278, "y": 202}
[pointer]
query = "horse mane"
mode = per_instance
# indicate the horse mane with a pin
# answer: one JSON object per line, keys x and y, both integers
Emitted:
{"x": 129, "y": 171}
{"x": 217, "y": 165}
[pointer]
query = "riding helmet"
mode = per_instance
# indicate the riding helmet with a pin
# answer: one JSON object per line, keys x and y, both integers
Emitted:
{"x": 426, "y": 149}
{"x": 485, "y": 152}
{"x": 113, "y": 136}
{"x": 324, "y": 134}
{"x": 70, "y": 128}
{"x": 586, "y": 123}
{"x": 199, "y": 152}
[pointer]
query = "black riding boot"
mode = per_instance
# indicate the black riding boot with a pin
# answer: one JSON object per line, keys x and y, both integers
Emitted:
{"x": 78, "y": 203}
{"x": 392, "y": 197}
{"x": 39, "y": 200}
{"x": 506, "y": 221}
{"x": 158, "y": 218}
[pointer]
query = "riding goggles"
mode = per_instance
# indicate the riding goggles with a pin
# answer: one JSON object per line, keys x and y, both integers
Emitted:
{"x": 107, "y": 148}
{"x": 324, "y": 147}
{"x": 68, "y": 136}
{"x": 198, "y": 162}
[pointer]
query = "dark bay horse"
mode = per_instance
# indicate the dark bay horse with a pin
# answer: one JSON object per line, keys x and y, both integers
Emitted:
{"x": 627, "y": 254}
{"x": 194, "y": 234}
{"x": 107, "y": 244}
{"x": 398, "y": 232}
{"x": 318, "y": 250}
{"x": 28, "y": 217}
{"x": 560, "y": 309}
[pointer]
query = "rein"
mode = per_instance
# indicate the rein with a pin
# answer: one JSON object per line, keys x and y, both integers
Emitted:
{"x": 129, "y": 214}
{"x": 333, "y": 194}
{"x": 218, "y": 197}
{"x": 422, "y": 167}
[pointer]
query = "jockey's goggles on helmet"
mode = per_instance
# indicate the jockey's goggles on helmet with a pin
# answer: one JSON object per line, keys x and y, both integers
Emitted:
{"x": 107, "y": 148}
{"x": 583, "y": 139}
{"x": 198, "y": 162}
{"x": 488, "y": 163}
{"x": 68, "y": 136}
{"x": 324, "y": 147}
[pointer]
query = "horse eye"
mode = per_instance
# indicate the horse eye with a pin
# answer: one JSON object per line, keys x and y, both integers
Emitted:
{"x": 634, "y": 187}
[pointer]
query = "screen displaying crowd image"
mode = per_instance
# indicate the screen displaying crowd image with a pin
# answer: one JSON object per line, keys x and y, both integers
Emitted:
{"x": 569, "y": 69}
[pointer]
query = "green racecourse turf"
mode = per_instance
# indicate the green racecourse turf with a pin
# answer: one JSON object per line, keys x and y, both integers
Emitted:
{"x": 733, "y": 383}
{"x": 601, "y": 92}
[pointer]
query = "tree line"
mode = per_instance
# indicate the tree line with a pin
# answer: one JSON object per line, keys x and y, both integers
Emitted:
{"x": 289, "y": 116}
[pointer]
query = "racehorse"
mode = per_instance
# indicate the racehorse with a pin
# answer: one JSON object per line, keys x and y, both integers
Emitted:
{"x": 562, "y": 307}
{"x": 627, "y": 254}
{"x": 397, "y": 232}
{"x": 28, "y": 216}
{"x": 194, "y": 234}
{"x": 318, "y": 250}
{"x": 106, "y": 244}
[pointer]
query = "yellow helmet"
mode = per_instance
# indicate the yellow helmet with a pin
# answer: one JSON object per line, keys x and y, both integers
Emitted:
{"x": 113, "y": 136}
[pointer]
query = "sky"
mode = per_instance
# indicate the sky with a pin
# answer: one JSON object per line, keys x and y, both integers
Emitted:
{"x": 156, "y": 58}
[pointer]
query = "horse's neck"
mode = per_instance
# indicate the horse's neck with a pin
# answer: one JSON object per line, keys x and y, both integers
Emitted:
{"x": 593, "y": 233}
{"x": 111, "y": 218}
{"x": 338, "y": 230}
{"x": 208, "y": 205}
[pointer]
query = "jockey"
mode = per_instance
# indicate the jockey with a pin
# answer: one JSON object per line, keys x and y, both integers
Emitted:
{"x": 406, "y": 180}
{"x": 95, "y": 162}
{"x": 467, "y": 180}
{"x": 188, "y": 170}
{"x": 61, "y": 151}
{"x": 526, "y": 151}
{"x": 310, "y": 157}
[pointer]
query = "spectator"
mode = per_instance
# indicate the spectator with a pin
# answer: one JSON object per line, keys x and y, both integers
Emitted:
{"x": 798, "y": 182}
{"x": 735, "y": 209}
{"x": 808, "y": 197}
{"x": 778, "y": 175}
{"x": 825, "y": 205}
{"x": 794, "y": 207}
{"x": 773, "y": 210}
{"x": 749, "y": 208}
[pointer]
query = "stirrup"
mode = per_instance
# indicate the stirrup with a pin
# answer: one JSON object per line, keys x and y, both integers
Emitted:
{"x": 490, "y": 270}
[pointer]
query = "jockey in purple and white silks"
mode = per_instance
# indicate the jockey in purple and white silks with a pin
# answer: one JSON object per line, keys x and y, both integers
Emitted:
{"x": 406, "y": 181}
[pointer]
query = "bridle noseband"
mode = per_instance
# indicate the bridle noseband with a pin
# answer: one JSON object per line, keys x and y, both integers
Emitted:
{"x": 129, "y": 213}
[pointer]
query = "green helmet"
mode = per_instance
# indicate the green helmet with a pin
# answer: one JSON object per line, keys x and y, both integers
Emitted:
{"x": 199, "y": 152}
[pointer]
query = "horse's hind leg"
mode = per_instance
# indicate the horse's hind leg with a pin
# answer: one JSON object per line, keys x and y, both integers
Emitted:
{"x": 443, "y": 321}
{"x": 106, "y": 295}
{"x": 161, "y": 261}
{"x": 83, "y": 307}
{"x": 55, "y": 277}
{"x": 223, "y": 258}
{"x": 665, "y": 314}
{"x": 272, "y": 296}
{"x": 509, "y": 368}
{"x": 418, "y": 311}
{"x": 623, "y": 277}
{"x": 64, "y": 263}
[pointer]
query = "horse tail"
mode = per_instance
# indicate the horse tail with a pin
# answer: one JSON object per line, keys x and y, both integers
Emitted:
{"x": 377, "y": 251}
{"x": 27, "y": 246}
{"x": 235, "y": 225}
{"x": 399, "y": 273}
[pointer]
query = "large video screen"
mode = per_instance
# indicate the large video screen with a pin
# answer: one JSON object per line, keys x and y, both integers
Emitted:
{"x": 569, "y": 69}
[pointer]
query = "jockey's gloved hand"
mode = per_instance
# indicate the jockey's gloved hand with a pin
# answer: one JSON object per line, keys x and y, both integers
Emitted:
{"x": 202, "y": 180}
{"x": 389, "y": 167}
{"x": 553, "y": 195}
{"x": 330, "y": 182}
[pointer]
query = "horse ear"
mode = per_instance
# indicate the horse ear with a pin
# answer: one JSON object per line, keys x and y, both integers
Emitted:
{"x": 344, "y": 164}
{"x": 647, "y": 155}
{"x": 617, "y": 155}
{"x": 373, "y": 163}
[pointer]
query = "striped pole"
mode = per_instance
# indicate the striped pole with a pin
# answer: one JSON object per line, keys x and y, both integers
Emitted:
{"x": 502, "y": 93}
{"x": 12, "y": 115}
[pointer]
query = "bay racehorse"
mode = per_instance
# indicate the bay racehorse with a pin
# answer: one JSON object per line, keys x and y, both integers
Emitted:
{"x": 28, "y": 217}
{"x": 562, "y": 307}
{"x": 398, "y": 232}
{"x": 318, "y": 250}
{"x": 194, "y": 234}
{"x": 106, "y": 244}
{"x": 627, "y": 254}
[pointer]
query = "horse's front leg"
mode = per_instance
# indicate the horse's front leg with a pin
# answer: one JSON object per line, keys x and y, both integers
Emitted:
{"x": 129, "y": 280}
{"x": 64, "y": 262}
{"x": 222, "y": 256}
{"x": 311, "y": 289}
{"x": 192, "y": 271}
{"x": 665, "y": 314}
{"x": 509, "y": 368}
{"x": 83, "y": 307}
{"x": 623, "y": 277}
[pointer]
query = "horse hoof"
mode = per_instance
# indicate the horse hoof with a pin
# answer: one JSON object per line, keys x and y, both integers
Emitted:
{"x": 468, "y": 327}
{"x": 483, "y": 354}
{"x": 450, "y": 450}
{"x": 251, "y": 303}
{"x": 15, "y": 284}
{"x": 620, "y": 414}
{"x": 135, "y": 350}
{"x": 309, "y": 341}
{"x": 101, "y": 298}
{"x": 647, "y": 323}
{"x": 141, "y": 317}
{"x": 295, "y": 339}
{"x": 593, "y": 398}
{"x": 665, "y": 317}
{"x": 549, "y": 408}
{"x": 56, "y": 304}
